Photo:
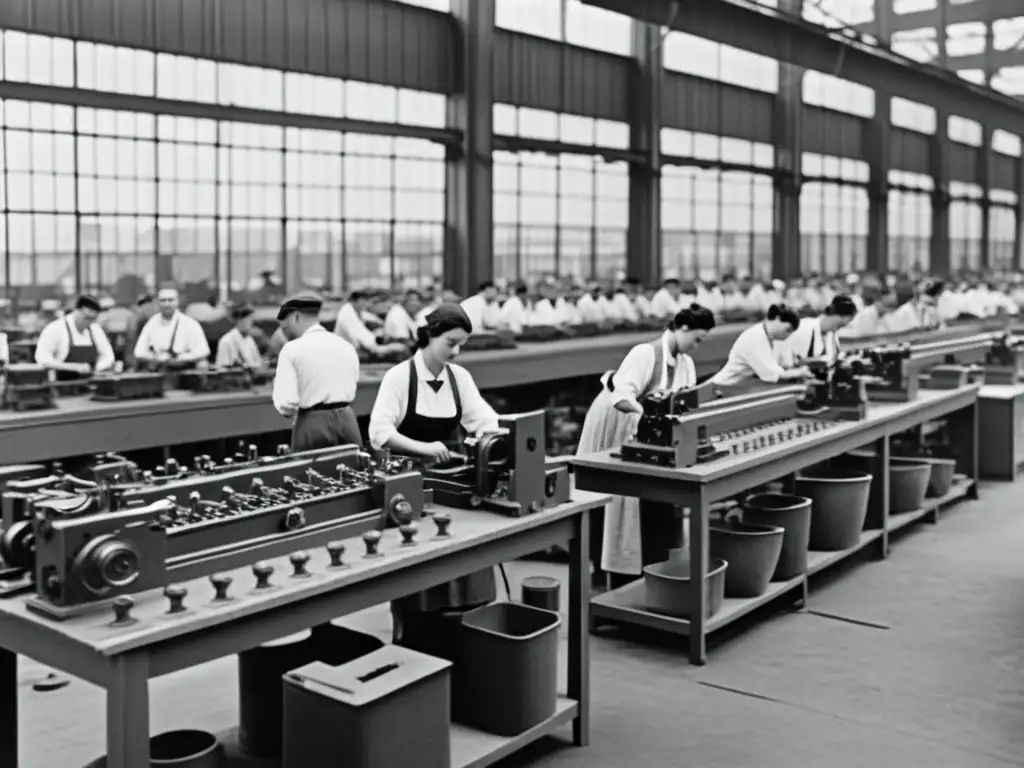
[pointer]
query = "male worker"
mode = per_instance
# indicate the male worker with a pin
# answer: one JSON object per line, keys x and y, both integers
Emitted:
{"x": 316, "y": 378}
{"x": 171, "y": 338}
{"x": 74, "y": 345}
{"x": 237, "y": 348}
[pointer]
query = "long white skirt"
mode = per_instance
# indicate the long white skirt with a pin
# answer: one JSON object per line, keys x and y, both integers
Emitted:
{"x": 606, "y": 428}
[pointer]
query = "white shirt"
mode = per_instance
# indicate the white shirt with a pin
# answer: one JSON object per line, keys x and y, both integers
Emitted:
{"x": 513, "y": 314}
{"x": 626, "y": 308}
{"x": 352, "y": 329}
{"x": 663, "y": 305}
{"x": 482, "y": 313}
{"x": 590, "y": 310}
{"x": 867, "y": 322}
{"x": 637, "y": 369}
{"x": 609, "y": 309}
{"x": 5, "y": 350}
{"x": 398, "y": 324}
{"x": 906, "y": 317}
{"x": 156, "y": 335}
{"x": 643, "y": 306}
{"x": 234, "y": 349}
{"x": 389, "y": 408}
{"x": 56, "y": 338}
{"x": 808, "y": 341}
{"x": 316, "y": 368}
{"x": 751, "y": 355}
{"x": 544, "y": 313}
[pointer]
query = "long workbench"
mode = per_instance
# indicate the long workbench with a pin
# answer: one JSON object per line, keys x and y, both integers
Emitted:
{"x": 80, "y": 426}
{"x": 122, "y": 659}
{"x": 697, "y": 488}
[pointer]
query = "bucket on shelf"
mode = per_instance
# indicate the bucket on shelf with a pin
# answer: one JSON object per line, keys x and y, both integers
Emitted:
{"x": 752, "y": 552}
{"x": 667, "y": 586}
{"x": 839, "y": 507}
{"x": 180, "y": 749}
{"x": 940, "y": 481}
{"x": 908, "y": 484}
{"x": 793, "y": 515}
{"x": 518, "y": 692}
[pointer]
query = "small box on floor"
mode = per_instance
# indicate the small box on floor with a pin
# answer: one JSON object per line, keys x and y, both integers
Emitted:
{"x": 388, "y": 708}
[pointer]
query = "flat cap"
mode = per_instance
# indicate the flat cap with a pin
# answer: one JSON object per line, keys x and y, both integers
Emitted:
{"x": 240, "y": 311}
{"x": 88, "y": 302}
{"x": 300, "y": 302}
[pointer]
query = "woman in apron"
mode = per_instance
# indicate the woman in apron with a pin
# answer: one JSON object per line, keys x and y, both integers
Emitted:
{"x": 817, "y": 337}
{"x": 661, "y": 364}
{"x": 422, "y": 407}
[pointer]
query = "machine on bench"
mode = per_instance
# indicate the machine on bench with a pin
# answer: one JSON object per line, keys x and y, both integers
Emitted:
{"x": 140, "y": 385}
{"x": 85, "y": 549}
{"x": 676, "y": 430}
{"x": 838, "y": 390}
{"x": 214, "y": 380}
{"x": 1004, "y": 361}
{"x": 504, "y": 472}
{"x": 953, "y": 363}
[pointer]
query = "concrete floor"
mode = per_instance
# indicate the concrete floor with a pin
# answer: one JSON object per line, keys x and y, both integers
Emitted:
{"x": 932, "y": 677}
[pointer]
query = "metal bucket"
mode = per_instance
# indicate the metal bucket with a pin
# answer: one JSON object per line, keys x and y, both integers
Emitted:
{"x": 793, "y": 515}
{"x": 839, "y": 507}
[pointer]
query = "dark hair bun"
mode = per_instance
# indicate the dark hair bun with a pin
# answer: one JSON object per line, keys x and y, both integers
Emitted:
{"x": 784, "y": 314}
{"x": 695, "y": 317}
{"x": 422, "y": 337}
{"x": 842, "y": 306}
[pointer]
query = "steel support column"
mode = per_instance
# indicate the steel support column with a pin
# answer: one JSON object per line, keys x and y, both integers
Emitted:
{"x": 643, "y": 248}
{"x": 1018, "y": 211}
{"x": 938, "y": 161}
{"x": 878, "y": 151}
{"x": 469, "y": 196}
{"x": 787, "y": 121}
{"x": 985, "y": 182}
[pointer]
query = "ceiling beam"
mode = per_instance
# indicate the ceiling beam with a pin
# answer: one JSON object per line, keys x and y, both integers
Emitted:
{"x": 993, "y": 60}
{"x": 794, "y": 40}
{"x": 955, "y": 14}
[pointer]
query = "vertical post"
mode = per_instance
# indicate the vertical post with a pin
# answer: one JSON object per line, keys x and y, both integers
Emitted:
{"x": 939, "y": 164}
{"x": 1018, "y": 211}
{"x": 985, "y": 160}
{"x": 786, "y": 132}
{"x": 878, "y": 151}
{"x": 643, "y": 248}
{"x": 469, "y": 200}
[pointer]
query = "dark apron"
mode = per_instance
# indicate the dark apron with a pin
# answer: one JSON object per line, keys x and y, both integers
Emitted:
{"x": 461, "y": 594}
{"x": 78, "y": 354}
{"x": 325, "y": 426}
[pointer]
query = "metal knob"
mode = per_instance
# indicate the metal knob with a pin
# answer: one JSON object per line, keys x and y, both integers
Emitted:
{"x": 372, "y": 541}
{"x": 221, "y": 583}
{"x": 193, "y": 502}
{"x": 299, "y": 562}
{"x": 171, "y": 467}
{"x": 283, "y": 449}
{"x": 256, "y": 486}
{"x": 408, "y": 531}
{"x": 403, "y": 512}
{"x": 443, "y": 521}
{"x": 262, "y": 572}
{"x": 253, "y": 452}
{"x": 336, "y": 551}
{"x": 122, "y": 611}
{"x": 176, "y": 595}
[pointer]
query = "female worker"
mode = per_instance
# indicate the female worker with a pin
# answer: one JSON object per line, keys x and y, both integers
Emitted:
{"x": 422, "y": 406}
{"x": 753, "y": 354}
{"x": 816, "y": 337}
{"x": 658, "y": 365}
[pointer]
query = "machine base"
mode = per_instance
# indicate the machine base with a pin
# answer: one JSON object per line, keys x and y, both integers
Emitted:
{"x": 1000, "y": 375}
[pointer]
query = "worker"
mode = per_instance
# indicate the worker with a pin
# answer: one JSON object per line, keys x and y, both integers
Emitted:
{"x": 422, "y": 406}
{"x": 482, "y": 308}
{"x": 74, "y": 345}
{"x": 350, "y": 326}
{"x": 171, "y": 338}
{"x": 399, "y": 323}
{"x": 145, "y": 308}
{"x": 515, "y": 312}
{"x": 917, "y": 307}
{"x": 817, "y": 337}
{"x": 666, "y": 301}
{"x": 316, "y": 378}
{"x": 237, "y": 348}
{"x": 662, "y": 364}
{"x": 753, "y": 354}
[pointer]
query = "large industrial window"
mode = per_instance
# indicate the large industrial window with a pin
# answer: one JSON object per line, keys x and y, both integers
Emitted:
{"x": 115, "y": 201}
{"x": 910, "y": 221}
{"x": 833, "y": 215}
{"x": 558, "y": 212}
{"x": 965, "y": 225}
{"x": 1002, "y": 230}
{"x": 715, "y": 222}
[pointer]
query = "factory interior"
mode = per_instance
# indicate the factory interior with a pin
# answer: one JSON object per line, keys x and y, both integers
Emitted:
{"x": 377, "y": 376}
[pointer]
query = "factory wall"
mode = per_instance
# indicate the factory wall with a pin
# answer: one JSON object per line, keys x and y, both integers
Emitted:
{"x": 212, "y": 142}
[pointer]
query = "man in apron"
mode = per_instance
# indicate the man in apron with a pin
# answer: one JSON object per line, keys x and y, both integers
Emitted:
{"x": 73, "y": 345}
{"x": 171, "y": 339}
{"x": 316, "y": 378}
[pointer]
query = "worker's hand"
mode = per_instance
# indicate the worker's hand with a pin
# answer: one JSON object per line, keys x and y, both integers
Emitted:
{"x": 82, "y": 368}
{"x": 802, "y": 372}
{"x": 438, "y": 452}
{"x": 163, "y": 357}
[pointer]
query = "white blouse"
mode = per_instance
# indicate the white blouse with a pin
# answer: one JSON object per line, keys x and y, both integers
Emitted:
{"x": 808, "y": 341}
{"x": 751, "y": 355}
{"x": 392, "y": 401}
{"x": 56, "y": 339}
{"x": 637, "y": 369}
{"x": 316, "y": 368}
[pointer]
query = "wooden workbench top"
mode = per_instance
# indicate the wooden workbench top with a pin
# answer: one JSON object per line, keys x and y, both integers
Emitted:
{"x": 878, "y": 413}
{"x": 94, "y": 632}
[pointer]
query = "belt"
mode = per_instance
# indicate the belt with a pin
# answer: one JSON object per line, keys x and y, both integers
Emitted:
{"x": 325, "y": 407}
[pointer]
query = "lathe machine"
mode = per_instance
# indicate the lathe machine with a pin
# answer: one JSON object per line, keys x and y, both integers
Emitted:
{"x": 87, "y": 546}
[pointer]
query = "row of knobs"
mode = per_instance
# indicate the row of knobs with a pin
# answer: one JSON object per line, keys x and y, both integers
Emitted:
{"x": 263, "y": 572}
